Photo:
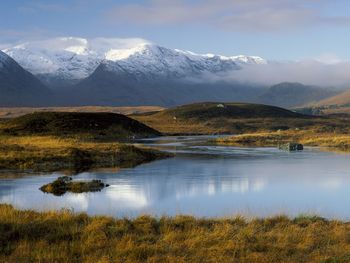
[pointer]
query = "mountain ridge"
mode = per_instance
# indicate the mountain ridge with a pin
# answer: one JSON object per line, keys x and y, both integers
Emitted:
{"x": 133, "y": 72}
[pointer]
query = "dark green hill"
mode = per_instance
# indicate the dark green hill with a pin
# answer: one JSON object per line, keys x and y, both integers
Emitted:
{"x": 94, "y": 125}
{"x": 209, "y": 110}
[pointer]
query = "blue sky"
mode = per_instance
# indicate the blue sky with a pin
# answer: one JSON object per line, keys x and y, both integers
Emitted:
{"x": 273, "y": 29}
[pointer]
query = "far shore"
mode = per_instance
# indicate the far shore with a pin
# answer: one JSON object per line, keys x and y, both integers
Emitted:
{"x": 309, "y": 137}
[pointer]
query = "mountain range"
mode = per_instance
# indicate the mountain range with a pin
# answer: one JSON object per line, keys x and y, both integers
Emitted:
{"x": 118, "y": 72}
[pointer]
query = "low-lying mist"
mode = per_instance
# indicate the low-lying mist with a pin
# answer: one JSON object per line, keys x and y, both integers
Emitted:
{"x": 308, "y": 72}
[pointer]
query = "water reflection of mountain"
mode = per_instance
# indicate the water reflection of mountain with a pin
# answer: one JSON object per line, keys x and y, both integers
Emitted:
{"x": 262, "y": 180}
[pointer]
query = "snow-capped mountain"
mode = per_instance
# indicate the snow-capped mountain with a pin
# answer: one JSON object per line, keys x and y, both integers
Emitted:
{"x": 71, "y": 58}
{"x": 112, "y": 71}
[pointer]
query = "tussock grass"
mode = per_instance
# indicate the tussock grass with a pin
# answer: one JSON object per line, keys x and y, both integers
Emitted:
{"x": 28, "y": 236}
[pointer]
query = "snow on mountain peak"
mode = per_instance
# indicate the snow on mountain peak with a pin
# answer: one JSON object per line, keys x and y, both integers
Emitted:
{"x": 120, "y": 54}
{"x": 77, "y": 58}
{"x": 238, "y": 59}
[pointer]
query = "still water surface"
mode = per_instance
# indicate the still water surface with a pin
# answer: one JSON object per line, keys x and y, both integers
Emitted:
{"x": 205, "y": 180}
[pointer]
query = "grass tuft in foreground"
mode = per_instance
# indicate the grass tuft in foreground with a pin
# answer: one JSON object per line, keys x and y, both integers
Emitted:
{"x": 65, "y": 184}
{"x": 28, "y": 236}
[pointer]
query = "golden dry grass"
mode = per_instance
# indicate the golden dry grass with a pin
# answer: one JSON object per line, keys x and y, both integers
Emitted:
{"x": 28, "y": 236}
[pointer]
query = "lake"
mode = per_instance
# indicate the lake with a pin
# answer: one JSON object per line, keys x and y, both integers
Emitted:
{"x": 205, "y": 180}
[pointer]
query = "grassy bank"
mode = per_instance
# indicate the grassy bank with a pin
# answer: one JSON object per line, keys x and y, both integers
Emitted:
{"x": 28, "y": 236}
{"x": 310, "y": 137}
{"x": 49, "y": 153}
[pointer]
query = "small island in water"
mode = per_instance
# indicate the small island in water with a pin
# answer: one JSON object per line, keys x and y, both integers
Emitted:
{"x": 66, "y": 184}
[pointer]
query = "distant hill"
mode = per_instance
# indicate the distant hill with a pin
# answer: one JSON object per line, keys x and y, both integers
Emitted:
{"x": 339, "y": 99}
{"x": 290, "y": 95}
{"x": 93, "y": 125}
{"x": 217, "y": 117}
{"x": 337, "y": 104}
{"x": 18, "y": 87}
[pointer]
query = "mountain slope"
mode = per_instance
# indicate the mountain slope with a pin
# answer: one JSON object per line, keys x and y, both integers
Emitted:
{"x": 105, "y": 87}
{"x": 19, "y": 87}
{"x": 293, "y": 94}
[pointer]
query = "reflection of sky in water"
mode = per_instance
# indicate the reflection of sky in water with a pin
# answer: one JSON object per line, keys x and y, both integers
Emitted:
{"x": 207, "y": 181}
